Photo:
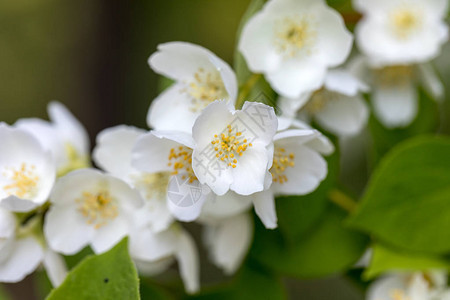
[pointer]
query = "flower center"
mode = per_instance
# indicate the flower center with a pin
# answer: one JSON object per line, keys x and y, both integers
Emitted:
{"x": 229, "y": 145}
{"x": 294, "y": 36}
{"x": 97, "y": 208}
{"x": 405, "y": 21}
{"x": 205, "y": 88}
{"x": 181, "y": 160}
{"x": 153, "y": 184}
{"x": 281, "y": 161}
{"x": 394, "y": 75}
{"x": 24, "y": 181}
{"x": 397, "y": 294}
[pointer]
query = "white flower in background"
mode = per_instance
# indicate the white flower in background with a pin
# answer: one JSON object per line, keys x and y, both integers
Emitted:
{"x": 64, "y": 136}
{"x": 99, "y": 208}
{"x": 170, "y": 153}
{"x": 294, "y": 42}
{"x": 337, "y": 106}
{"x": 298, "y": 168}
{"x": 394, "y": 89}
{"x": 27, "y": 171}
{"x": 155, "y": 252}
{"x": 200, "y": 78}
{"x": 113, "y": 154}
{"x": 395, "y": 32}
{"x": 409, "y": 286}
{"x": 233, "y": 149}
{"x": 228, "y": 239}
{"x": 21, "y": 252}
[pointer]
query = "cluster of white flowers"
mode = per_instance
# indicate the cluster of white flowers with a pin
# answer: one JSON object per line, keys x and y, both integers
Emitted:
{"x": 207, "y": 159}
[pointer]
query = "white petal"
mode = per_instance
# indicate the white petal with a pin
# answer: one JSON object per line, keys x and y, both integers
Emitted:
{"x": 431, "y": 81}
{"x": 47, "y": 135}
{"x": 344, "y": 82}
{"x": 296, "y": 77}
{"x": 418, "y": 288}
{"x": 229, "y": 241}
{"x": 225, "y": 206}
{"x": 188, "y": 262}
{"x": 112, "y": 152}
{"x": 15, "y": 204}
{"x": 395, "y": 106}
{"x": 7, "y": 224}
{"x": 320, "y": 144}
{"x": 290, "y": 106}
{"x": 301, "y": 136}
{"x": 228, "y": 77}
{"x": 180, "y": 137}
{"x": 172, "y": 110}
{"x": 65, "y": 238}
{"x": 256, "y": 44}
{"x": 55, "y": 267}
{"x": 264, "y": 203}
{"x": 25, "y": 256}
{"x": 70, "y": 129}
{"x": 180, "y": 60}
{"x": 250, "y": 171}
{"x": 305, "y": 176}
{"x": 146, "y": 245}
{"x": 258, "y": 118}
{"x": 152, "y": 268}
{"x": 107, "y": 236}
{"x": 213, "y": 120}
{"x": 151, "y": 153}
{"x": 334, "y": 40}
{"x": 185, "y": 199}
{"x": 344, "y": 115}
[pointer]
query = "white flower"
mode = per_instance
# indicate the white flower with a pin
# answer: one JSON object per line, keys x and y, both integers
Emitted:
{"x": 200, "y": 78}
{"x": 394, "y": 89}
{"x": 27, "y": 171}
{"x": 228, "y": 240}
{"x": 337, "y": 106}
{"x": 99, "y": 208}
{"x": 294, "y": 42}
{"x": 408, "y": 286}
{"x": 297, "y": 169}
{"x": 154, "y": 253}
{"x": 233, "y": 149}
{"x": 169, "y": 153}
{"x": 64, "y": 136}
{"x": 401, "y": 32}
{"x": 113, "y": 154}
{"x": 21, "y": 252}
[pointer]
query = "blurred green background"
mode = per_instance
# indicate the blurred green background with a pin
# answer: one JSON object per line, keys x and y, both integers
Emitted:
{"x": 92, "y": 56}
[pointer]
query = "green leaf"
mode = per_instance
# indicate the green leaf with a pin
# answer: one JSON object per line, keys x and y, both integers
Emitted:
{"x": 387, "y": 259}
{"x": 111, "y": 275}
{"x": 240, "y": 66}
{"x": 252, "y": 282}
{"x": 297, "y": 214}
{"x": 407, "y": 200}
{"x": 153, "y": 291}
{"x": 328, "y": 249}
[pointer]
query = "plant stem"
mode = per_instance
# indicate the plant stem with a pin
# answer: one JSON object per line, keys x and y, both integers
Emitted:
{"x": 342, "y": 200}
{"x": 246, "y": 89}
